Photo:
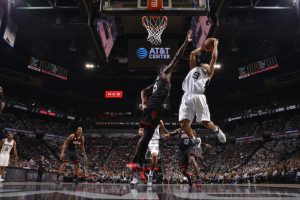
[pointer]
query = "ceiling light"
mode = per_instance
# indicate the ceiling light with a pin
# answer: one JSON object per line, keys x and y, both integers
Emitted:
{"x": 217, "y": 66}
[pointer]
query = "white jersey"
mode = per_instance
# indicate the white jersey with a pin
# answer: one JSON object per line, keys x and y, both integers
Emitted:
{"x": 195, "y": 81}
{"x": 153, "y": 145}
{"x": 156, "y": 135}
{"x": 7, "y": 146}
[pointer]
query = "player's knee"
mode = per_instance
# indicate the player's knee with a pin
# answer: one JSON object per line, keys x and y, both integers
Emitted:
{"x": 207, "y": 124}
{"x": 184, "y": 125}
{"x": 154, "y": 156}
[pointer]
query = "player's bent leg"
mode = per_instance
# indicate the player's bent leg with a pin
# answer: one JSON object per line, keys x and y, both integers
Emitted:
{"x": 61, "y": 171}
{"x": 75, "y": 170}
{"x": 153, "y": 165}
{"x": 185, "y": 125}
{"x": 184, "y": 173}
{"x": 193, "y": 163}
{"x": 154, "y": 156}
{"x": 141, "y": 149}
{"x": 210, "y": 125}
{"x": 62, "y": 168}
{"x": 142, "y": 146}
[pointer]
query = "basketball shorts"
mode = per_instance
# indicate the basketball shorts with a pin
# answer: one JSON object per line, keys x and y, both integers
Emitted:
{"x": 71, "y": 156}
{"x": 153, "y": 147}
{"x": 150, "y": 118}
{"x": 194, "y": 104}
{"x": 4, "y": 160}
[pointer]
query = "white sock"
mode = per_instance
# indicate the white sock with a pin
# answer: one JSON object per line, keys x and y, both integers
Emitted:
{"x": 150, "y": 173}
{"x": 216, "y": 129}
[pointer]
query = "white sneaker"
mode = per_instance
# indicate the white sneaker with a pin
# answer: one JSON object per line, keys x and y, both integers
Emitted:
{"x": 135, "y": 181}
{"x": 150, "y": 180}
{"x": 221, "y": 135}
{"x": 1, "y": 180}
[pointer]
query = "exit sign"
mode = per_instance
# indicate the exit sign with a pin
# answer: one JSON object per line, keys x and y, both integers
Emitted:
{"x": 114, "y": 94}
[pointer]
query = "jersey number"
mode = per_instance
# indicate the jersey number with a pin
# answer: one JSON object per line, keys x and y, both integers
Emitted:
{"x": 6, "y": 149}
{"x": 154, "y": 87}
{"x": 196, "y": 75}
{"x": 186, "y": 141}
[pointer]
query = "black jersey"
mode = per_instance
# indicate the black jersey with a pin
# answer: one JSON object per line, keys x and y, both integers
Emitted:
{"x": 75, "y": 143}
{"x": 160, "y": 93}
{"x": 185, "y": 142}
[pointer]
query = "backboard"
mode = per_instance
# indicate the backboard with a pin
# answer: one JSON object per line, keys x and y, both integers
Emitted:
{"x": 170, "y": 7}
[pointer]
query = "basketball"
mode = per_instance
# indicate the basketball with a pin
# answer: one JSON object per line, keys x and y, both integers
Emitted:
{"x": 209, "y": 44}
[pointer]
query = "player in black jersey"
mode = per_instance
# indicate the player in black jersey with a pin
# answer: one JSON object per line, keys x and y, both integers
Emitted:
{"x": 69, "y": 152}
{"x": 189, "y": 153}
{"x": 152, "y": 107}
{"x": 2, "y": 104}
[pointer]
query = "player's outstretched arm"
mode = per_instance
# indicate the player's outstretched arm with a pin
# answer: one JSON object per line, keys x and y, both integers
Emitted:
{"x": 162, "y": 128}
{"x": 64, "y": 146}
{"x": 169, "y": 69}
{"x": 214, "y": 57}
{"x": 144, "y": 93}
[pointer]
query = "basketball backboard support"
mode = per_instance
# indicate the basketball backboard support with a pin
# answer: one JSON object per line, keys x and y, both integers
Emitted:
{"x": 170, "y": 7}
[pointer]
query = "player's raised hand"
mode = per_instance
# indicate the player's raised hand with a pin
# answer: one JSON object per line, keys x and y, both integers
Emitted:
{"x": 143, "y": 106}
{"x": 190, "y": 35}
{"x": 161, "y": 123}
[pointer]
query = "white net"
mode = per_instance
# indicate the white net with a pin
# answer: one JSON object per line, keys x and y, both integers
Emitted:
{"x": 155, "y": 25}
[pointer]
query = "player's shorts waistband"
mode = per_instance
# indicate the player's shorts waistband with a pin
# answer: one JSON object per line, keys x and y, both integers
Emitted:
{"x": 154, "y": 141}
{"x": 192, "y": 93}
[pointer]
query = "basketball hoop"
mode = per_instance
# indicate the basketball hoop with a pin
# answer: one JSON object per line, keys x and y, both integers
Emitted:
{"x": 155, "y": 26}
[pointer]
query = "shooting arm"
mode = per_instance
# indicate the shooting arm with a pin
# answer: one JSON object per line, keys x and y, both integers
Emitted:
{"x": 193, "y": 57}
{"x": 214, "y": 57}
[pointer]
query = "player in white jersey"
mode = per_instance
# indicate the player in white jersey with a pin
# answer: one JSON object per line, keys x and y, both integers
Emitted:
{"x": 194, "y": 101}
{"x": 6, "y": 145}
{"x": 153, "y": 148}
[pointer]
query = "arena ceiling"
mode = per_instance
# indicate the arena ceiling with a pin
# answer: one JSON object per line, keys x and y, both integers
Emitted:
{"x": 61, "y": 32}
